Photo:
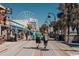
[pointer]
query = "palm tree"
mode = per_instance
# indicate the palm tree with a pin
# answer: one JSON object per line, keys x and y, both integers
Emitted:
{"x": 65, "y": 16}
{"x": 71, "y": 16}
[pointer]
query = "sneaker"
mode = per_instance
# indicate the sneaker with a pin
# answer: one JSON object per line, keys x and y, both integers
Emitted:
{"x": 37, "y": 47}
{"x": 45, "y": 47}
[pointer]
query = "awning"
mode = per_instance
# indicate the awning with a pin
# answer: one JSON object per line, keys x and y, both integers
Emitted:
{"x": 16, "y": 25}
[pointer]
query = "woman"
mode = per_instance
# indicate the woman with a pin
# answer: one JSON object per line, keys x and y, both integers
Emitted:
{"x": 45, "y": 38}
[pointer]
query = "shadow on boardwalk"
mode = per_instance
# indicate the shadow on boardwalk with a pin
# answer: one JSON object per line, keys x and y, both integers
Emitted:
{"x": 71, "y": 44}
{"x": 41, "y": 49}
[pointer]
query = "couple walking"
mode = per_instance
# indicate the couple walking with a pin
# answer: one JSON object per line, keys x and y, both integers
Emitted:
{"x": 41, "y": 36}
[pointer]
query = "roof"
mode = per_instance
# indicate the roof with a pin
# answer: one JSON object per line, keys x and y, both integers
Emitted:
{"x": 15, "y": 24}
{"x": 2, "y": 7}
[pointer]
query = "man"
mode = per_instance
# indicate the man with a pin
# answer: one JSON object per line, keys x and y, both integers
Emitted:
{"x": 45, "y": 38}
{"x": 38, "y": 38}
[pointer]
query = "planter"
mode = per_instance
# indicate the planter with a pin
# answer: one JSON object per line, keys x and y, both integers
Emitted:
{"x": 71, "y": 38}
{"x": 1, "y": 40}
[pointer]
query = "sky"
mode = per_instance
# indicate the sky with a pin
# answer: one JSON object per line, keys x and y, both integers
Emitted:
{"x": 38, "y": 10}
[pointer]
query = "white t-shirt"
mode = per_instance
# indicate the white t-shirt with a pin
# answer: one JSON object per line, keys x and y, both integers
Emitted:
{"x": 46, "y": 37}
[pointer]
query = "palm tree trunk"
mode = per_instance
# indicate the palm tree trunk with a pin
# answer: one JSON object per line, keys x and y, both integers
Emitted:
{"x": 77, "y": 33}
{"x": 68, "y": 33}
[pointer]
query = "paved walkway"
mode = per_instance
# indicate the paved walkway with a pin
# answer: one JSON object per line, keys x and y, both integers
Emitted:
{"x": 28, "y": 48}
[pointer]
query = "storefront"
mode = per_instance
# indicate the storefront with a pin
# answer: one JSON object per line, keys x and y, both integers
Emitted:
{"x": 16, "y": 31}
{"x": 4, "y": 25}
{"x": 9, "y": 30}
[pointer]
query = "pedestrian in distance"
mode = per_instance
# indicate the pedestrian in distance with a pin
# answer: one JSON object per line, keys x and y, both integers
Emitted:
{"x": 34, "y": 36}
{"x": 29, "y": 35}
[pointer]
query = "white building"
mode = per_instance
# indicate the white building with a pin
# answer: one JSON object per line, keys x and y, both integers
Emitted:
{"x": 24, "y": 22}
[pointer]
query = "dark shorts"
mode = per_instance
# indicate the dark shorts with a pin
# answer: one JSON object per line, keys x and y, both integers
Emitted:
{"x": 38, "y": 40}
{"x": 45, "y": 41}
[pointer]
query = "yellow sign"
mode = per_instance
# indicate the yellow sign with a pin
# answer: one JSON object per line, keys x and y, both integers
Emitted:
{"x": 29, "y": 25}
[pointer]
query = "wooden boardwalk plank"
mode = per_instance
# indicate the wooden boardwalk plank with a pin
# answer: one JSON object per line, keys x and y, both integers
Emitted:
{"x": 28, "y": 48}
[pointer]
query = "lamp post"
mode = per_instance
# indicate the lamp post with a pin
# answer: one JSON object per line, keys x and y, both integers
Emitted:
{"x": 50, "y": 14}
{"x": 52, "y": 20}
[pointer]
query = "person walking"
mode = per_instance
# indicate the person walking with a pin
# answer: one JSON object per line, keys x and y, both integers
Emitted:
{"x": 29, "y": 35}
{"x": 45, "y": 38}
{"x": 26, "y": 35}
{"x": 38, "y": 38}
{"x": 34, "y": 36}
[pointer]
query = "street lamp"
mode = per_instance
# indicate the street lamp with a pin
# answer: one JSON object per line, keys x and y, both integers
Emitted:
{"x": 50, "y": 15}
{"x": 52, "y": 21}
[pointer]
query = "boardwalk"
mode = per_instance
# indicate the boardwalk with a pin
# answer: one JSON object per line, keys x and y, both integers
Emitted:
{"x": 28, "y": 48}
